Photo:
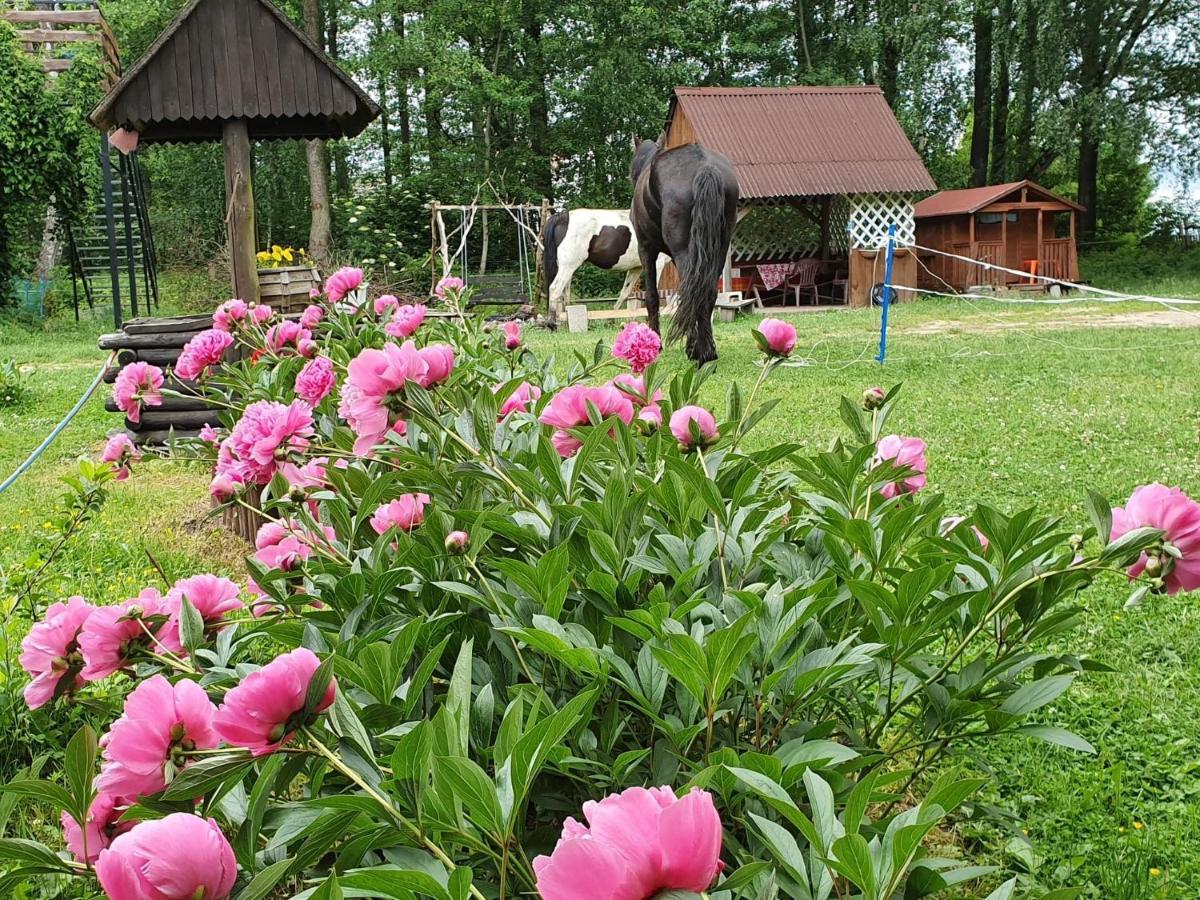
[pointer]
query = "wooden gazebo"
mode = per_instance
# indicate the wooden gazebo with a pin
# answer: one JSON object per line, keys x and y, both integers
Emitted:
{"x": 823, "y": 172}
{"x": 235, "y": 71}
{"x": 1020, "y": 225}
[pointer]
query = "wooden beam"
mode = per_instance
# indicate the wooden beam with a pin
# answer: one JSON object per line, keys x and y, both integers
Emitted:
{"x": 56, "y": 65}
{"x": 54, "y": 36}
{"x": 239, "y": 204}
{"x": 53, "y": 17}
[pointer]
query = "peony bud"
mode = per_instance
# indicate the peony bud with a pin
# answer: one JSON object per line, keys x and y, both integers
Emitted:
{"x": 457, "y": 541}
{"x": 873, "y": 398}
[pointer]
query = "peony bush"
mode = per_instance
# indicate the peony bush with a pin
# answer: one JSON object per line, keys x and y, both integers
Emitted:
{"x": 514, "y": 627}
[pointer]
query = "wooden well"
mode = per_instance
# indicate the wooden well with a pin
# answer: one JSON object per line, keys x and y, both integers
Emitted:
{"x": 288, "y": 290}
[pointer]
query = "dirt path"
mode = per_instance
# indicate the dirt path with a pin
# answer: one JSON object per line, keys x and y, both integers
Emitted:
{"x": 1072, "y": 318}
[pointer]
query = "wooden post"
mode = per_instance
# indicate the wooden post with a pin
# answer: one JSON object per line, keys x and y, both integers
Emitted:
{"x": 110, "y": 227}
{"x": 539, "y": 258}
{"x": 1038, "y": 253}
{"x": 433, "y": 246}
{"x": 239, "y": 201}
{"x": 826, "y": 210}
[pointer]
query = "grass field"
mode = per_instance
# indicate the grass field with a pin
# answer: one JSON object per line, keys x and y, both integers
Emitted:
{"x": 1020, "y": 406}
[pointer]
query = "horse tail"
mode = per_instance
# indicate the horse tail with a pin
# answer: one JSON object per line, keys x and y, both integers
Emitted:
{"x": 556, "y": 230}
{"x": 705, "y": 260}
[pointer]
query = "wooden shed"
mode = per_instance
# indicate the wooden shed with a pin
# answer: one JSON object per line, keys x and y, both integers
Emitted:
{"x": 822, "y": 174}
{"x": 235, "y": 71}
{"x": 1020, "y": 225}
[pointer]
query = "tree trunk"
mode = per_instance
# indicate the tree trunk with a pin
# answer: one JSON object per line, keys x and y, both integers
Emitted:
{"x": 318, "y": 166}
{"x": 402, "y": 112}
{"x": 890, "y": 54}
{"x": 1089, "y": 137}
{"x": 385, "y": 134}
{"x": 341, "y": 165}
{"x": 800, "y": 15}
{"x": 999, "y": 165}
{"x": 981, "y": 124}
{"x": 1023, "y": 162}
{"x": 431, "y": 107}
{"x": 539, "y": 105}
{"x": 48, "y": 256}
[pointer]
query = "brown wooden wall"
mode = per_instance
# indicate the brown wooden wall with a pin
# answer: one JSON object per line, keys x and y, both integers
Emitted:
{"x": 681, "y": 131}
{"x": 233, "y": 59}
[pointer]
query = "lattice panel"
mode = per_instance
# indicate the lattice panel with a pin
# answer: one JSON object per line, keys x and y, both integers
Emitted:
{"x": 785, "y": 231}
{"x": 871, "y": 215}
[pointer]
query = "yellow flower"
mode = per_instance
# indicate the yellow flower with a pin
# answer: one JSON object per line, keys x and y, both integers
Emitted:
{"x": 287, "y": 254}
{"x": 263, "y": 256}
{"x": 1138, "y": 825}
{"x": 1155, "y": 872}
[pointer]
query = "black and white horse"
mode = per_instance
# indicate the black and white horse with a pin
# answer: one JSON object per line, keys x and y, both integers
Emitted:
{"x": 602, "y": 237}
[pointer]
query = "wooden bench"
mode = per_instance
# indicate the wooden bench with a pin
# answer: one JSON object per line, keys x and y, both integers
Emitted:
{"x": 730, "y": 303}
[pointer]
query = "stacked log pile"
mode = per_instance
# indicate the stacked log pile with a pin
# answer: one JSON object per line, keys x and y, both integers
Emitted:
{"x": 159, "y": 341}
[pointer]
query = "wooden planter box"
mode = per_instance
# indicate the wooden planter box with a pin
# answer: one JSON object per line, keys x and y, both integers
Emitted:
{"x": 289, "y": 289}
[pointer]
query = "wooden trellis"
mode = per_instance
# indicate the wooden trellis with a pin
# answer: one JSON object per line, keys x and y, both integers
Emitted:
{"x": 871, "y": 215}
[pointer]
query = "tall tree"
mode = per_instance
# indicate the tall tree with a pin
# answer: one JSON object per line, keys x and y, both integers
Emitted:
{"x": 320, "y": 224}
{"x": 981, "y": 107}
{"x": 1002, "y": 71}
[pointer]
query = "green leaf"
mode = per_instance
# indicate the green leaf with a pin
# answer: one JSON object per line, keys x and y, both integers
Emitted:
{"x": 265, "y": 881}
{"x": 201, "y": 777}
{"x": 1004, "y": 892}
{"x": 317, "y": 686}
{"x": 470, "y": 784}
{"x": 1059, "y": 736}
{"x": 329, "y": 890}
{"x": 1100, "y": 512}
{"x": 191, "y": 626}
{"x": 783, "y": 847}
{"x": 25, "y": 851}
{"x": 247, "y": 838}
{"x": 1036, "y": 694}
{"x": 395, "y": 883}
{"x": 744, "y": 875}
{"x": 79, "y": 764}
{"x": 851, "y": 857}
{"x": 40, "y": 790}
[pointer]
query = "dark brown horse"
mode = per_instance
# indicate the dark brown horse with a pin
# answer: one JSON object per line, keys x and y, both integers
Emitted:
{"x": 684, "y": 205}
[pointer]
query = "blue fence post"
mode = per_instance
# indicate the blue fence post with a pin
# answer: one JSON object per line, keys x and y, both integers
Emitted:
{"x": 887, "y": 292}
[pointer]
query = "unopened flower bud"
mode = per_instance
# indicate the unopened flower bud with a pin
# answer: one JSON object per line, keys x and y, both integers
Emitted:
{"x": 1075, "y": 542}
{"x": 456, "y": 542}
{"x": 873, "y": 398}
{"x": 1154, "y": 566}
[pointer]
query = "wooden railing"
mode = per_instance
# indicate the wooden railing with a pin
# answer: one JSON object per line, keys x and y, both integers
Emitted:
{"x": 1057, "y": 259}
{"x": 43, "y": 31}
{"x": 964, "y": 274}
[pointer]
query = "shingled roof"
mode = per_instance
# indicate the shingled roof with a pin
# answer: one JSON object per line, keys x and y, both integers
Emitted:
{"x": 970, "y": 200}
{"x": 805, "y": 141}
{"x": 234, "y": 59}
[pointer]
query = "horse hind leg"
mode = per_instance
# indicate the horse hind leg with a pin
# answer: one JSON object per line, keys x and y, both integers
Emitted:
{"x": 650, "y": 287}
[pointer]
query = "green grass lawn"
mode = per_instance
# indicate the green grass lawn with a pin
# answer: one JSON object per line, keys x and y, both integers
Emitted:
{"x": 1020, "y": 406}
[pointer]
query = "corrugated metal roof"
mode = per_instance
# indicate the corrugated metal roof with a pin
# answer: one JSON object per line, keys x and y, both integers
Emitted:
{"x": 805, "y": 141}
{"x": 969, "y": 200}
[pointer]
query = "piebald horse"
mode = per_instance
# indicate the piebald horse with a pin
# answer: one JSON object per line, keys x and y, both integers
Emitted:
{"x": 602, "y": 237}
{"x": 684, "y": 205}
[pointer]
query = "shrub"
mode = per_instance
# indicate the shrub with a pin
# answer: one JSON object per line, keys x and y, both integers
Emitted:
{"x": 12, "y": 383}
{"x": 466, "y": 630}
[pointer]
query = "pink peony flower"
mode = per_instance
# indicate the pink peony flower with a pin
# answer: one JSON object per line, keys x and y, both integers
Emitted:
{"x": 225, "y": 485}
{"x": 950, "y": 523}
{"x": 315, "y": 380}
{"x": 268, "y": 434}
{"x": 50, "y": 651}
{"x": 512, "y": 335}
{"x": 904, "y": 452}
{"x": 636, "y": 844}
{"x": 314, "y": 293}
{"x": 385, "y": 304}
{"x": 342, "y": 282}
{"x": 694, "y": 426}
{"x": 457, "y": 541}
{"x": 522, "y": 397}
{"x": 405, "y": 512}
{"x": 260, "y": 313}
{"x": 288, "y": 337}
{"x": 231, "y": 314}
{"x": 873, "y": 398}
{"x": 120, "y": 451}
{"x": 151, "y": 741}
{"x": 1178, "y": 516}
{"x": 179, "y": 857}
{"x": 406, "y": 320}
{"x": 778, "y": 338}
{"x": 112, "y": 634}
{"x": 266, "y": 708}
{"x": 638, "y": 345}
{"x": 138, "y": 385}
{"x": 648, "y": 410}
{"x": 281, "y": 545}
{"x": 102, "y": 826}
{"x": 568, "y": 410}
{"x": 309, "y": 475}
{"x": 209, "y": 435}
{"x": 211, "y": 595}
{"x": 312, "y": 316}
{"x": 201, "y": 353}
{"x": 451, "y": 283}
{"x": 376, "y": 377}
